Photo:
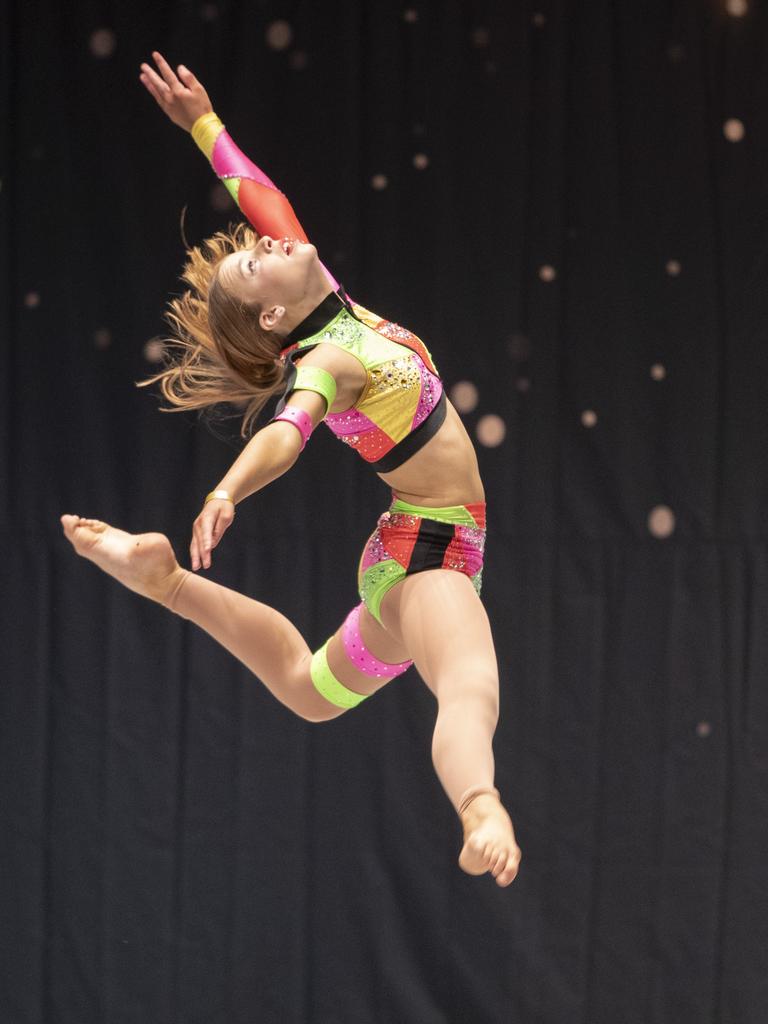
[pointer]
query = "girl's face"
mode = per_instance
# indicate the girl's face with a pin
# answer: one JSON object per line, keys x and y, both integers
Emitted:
{"x": 276, "y": 272}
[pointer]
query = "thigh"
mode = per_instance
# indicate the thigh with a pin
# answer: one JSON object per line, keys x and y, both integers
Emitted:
{"x": 439, "y": 618}
{"x": 378, "y": 641}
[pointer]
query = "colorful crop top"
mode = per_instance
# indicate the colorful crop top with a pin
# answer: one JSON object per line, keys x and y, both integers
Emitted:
{"x": 403, "y": 403}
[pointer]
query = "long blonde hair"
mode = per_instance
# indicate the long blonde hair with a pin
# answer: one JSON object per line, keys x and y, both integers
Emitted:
{"x": 219, "y": 352}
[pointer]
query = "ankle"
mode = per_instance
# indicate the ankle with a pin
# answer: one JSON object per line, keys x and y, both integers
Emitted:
{"x": 167, "y": 592}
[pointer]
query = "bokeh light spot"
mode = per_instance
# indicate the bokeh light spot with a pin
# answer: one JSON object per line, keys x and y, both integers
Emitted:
{"x": 703, "y": 729}
{"x": 102, "y": 43}
{"x": 379, "y": 182}
{"x": 279, "y": 35}
{"x": 547, "y": 272}
{"x": 411, "y": 15}
{"x": 733, "y": 129}
{"x": 102, "y": 337}
{"x": 464, "y": 395}
{"x": 674, "y": 267}
{"x": 480, "y": 36}
{"x": 523, "y": 385}
{"x": 589, "y": 418}
{"x": 661, "y": 521}
{"x": 209, "y": 12}
{"x": 658, "y": 371}
{"x": 32, "y": 300}
{"x": 737, "y": 8}
{"x": 298, "y": 60}
{"x": 491, "y": 430}
{"x": 539, "y": 20}
{"x": 153, "y": 350}
{"x": 421, "y": 161}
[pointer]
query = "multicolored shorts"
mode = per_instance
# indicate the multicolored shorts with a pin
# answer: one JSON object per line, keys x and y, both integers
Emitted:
{"x": 411, "y": 538}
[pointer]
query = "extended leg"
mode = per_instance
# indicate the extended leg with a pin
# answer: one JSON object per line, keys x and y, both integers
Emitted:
{"x": 260, "y": 637}
{"x": 441, "y": 621}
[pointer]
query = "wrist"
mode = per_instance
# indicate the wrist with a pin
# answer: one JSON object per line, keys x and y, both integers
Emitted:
{"x": 220, "y": 494}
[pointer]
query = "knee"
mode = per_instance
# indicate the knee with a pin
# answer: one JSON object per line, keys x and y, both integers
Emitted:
{"x": 470, "y": 693}
{"x": 305, "y": 700}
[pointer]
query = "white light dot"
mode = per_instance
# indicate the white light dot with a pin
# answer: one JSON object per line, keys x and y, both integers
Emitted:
{"x": 279, "y": 35}
{"x": 523, "y": 385}
{"x": 491, "y": 430}
{"x": 32, "y": 300}
{"x": 661, "y": 521}
{"x": 464, "y": 395}
{"x": 298, "y": 60}
{"x": 421, "y": 161}
{"x": 589, "y": 418}
{"x": 519, "y": 346}
{"x": 674, "y": 267}
{"x": 733, "y": 129}
{"x": 703, "y": 729}
{"x": 379, "y": 182}
{"x": 153, "y": 350}
{"x": 102, "y": 42}
{"x": 209, "y": 12}
{"x": 658, "y": 371}
{"x": 737, "y": 8}
{"x": 539, "y": 20}
{"x": 411, "y": 15}
{"x": 221, "y": 200}
{"x": 547, "y": 272}
{"x": 102, "y": 337}
{"x": 480, "y": 36}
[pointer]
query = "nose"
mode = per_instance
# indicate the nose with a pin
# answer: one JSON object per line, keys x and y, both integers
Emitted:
{"x": 265, "y": 243}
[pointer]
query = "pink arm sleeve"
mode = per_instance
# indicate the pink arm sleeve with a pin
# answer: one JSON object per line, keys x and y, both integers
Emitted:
{"x": 265, "y": 206}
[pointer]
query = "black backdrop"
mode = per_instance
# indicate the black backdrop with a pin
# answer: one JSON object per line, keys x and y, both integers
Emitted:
{"x": 175, "y": 846}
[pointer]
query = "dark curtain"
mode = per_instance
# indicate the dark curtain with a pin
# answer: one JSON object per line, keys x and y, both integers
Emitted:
{"x": 585, "y": 242}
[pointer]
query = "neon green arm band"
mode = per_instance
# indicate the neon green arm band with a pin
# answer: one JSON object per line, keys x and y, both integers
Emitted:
{"x": 314, "y": 378}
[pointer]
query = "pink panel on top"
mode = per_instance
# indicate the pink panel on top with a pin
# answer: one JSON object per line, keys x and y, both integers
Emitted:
{"x": 350, "y": 422}
{"x": 230, "y": 162}
{"x": 431, "y": 389}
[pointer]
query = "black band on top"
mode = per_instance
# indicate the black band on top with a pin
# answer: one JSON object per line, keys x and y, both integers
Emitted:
{"x": 417, "y": 438}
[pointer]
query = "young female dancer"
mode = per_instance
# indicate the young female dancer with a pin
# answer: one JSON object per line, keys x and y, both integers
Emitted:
{"x": 263, "y": 317}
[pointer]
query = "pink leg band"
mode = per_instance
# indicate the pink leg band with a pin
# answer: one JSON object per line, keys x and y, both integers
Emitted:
{"x": 359, "y": 654}
{"x": 300, "y": 419}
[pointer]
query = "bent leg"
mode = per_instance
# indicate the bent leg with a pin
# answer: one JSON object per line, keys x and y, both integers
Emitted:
{"x": 440, "y": 619}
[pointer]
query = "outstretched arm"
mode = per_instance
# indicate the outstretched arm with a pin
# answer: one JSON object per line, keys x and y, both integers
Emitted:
{"x": 184, "y": 100}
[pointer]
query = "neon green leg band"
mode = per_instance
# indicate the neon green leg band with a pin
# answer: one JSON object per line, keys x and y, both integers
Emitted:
{"x": 326, "y": 683}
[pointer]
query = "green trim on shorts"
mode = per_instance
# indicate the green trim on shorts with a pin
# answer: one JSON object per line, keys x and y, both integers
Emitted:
{"x": 378, "y": 580}
{"x": 326, "y": 683}
{"x": 458, "y": 515}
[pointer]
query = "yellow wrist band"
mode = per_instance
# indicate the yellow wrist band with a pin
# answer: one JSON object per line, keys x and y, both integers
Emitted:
{"x": 221, "y": 495}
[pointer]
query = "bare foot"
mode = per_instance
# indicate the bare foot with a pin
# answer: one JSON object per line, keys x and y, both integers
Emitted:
{"x": 489, "y": 840}
{"x": 143, "y": 562}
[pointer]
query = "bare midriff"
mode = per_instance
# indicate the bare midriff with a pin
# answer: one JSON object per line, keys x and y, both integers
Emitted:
{"x": 442, "y": 473}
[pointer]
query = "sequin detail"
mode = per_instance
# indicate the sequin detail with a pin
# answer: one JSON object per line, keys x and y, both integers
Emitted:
{"x": 389, "y": 553}
{"x": 402, "y": 387}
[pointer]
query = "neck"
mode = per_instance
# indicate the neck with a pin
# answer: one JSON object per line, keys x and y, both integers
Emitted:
{"x": 313, "y": 297}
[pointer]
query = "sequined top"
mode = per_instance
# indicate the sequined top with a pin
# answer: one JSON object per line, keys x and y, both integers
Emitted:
{"x": 403, "y": 403}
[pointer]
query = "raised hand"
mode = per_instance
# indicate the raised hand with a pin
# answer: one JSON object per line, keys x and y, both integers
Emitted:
{"x": 178, "y": 93}
{"x": 215, "y": 518}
